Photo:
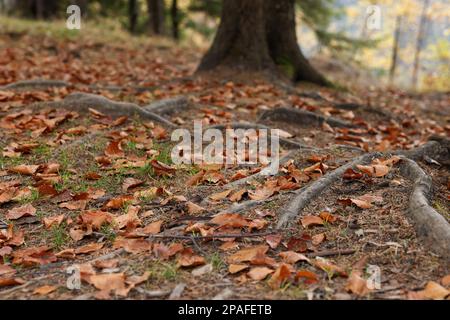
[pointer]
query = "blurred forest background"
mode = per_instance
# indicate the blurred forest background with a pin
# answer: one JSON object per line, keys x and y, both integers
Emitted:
{"x": 410, "y": 50}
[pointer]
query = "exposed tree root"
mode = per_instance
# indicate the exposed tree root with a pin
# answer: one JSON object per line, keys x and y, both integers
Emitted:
{"x": 35, "y": 84}
{"x": 305, "y": 195}
{"x": 360, "y": 107}
{"x": 243, "y": 206}
{"x": 432, "y": 149}
{"x": 298, "y": 116}
{"x": 429, "y": 224}
{"x": 82, "y": 102}
{"x": 168, "y": 106}
{"x": 244, "y": 125}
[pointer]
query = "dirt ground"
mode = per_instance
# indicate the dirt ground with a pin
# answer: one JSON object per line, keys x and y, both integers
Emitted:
{"x": 83, "y": 189}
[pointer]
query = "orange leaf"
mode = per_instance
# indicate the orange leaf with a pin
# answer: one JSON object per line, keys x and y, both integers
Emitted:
{"x": 280, "y": 276}
{"x": 259, "y": 273}
{"x": 311, "y": 221}
{"x": 19, "y": 212}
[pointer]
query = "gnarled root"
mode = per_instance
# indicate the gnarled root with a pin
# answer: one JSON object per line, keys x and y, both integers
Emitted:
{"x": 243, "y": 125}
{"x": 298, "y": 116}
{"x": 40, "y": 84}
{"x": 305, "y": 195}
{"x": 429, "y": 224}
{"x": 168, "y": 106}
{"x": 82, "y": 102}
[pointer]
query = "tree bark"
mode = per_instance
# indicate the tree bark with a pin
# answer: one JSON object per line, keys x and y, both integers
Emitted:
{"x": 133, "y": 14}
{"x": 419, "y": 44}
{"x": 175, "y": 20}
{"x": 398, "y": 23}
{"x": 259, "y": 35}
{"x": 156, "y": 16}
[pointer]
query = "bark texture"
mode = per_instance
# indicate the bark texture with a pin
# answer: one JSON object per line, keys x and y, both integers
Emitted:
{"x": 260, "y": 35}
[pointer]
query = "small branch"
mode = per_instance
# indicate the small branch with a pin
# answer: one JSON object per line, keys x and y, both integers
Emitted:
{"x": 215, "y": 236}
{"x": 327, "y": 253}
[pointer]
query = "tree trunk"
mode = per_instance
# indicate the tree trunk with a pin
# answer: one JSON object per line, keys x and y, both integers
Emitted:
{"x": 398, "y": 23}
{"x": 175, "y": 20}
{"x": 419, "y": 44}
{"x": 156, "y": 16}
{"x": 133, "y": 14}
{"x": 259, "y": 35}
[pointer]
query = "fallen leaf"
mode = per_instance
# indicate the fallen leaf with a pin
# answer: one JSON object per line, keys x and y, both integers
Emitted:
{"x": 318, "y": 239}
{"x": 74, "y": 205}
{"x": 118, "y": 202}
{"x": 233, "y": 220}
{"x": 19, "y": 212}
{"x": 327, "y": 217}
{"x": 311, "y": 221}
{"x": 433, "y": 291}
{"x": 247, "y": 254}
{"x": 133, "y": 246}
{"x": 307, "y": 276}
{"x": 161, "y": 169}
{"x": 189, "y": 259}
{"x": 193, "y": 208}
{"x": 292, "y": 257}
{"x": 259, "y": 273}
{"x": 92, "y": 247}
{"x": 129, "y": 183}
{"x": 24, "y": 169}
{"x": 235, "y": 268}
{"x": 45, "y": 290}
{"x": 330, "y": 268}
{"x": 282, "y": 273}
{"x": 114, "y": 149}
{"x": 221, "y": 195}
{"x": 273, "y": 240}
{"x": 35, "y": 255}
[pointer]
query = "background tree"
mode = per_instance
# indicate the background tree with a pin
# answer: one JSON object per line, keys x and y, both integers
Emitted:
{"x": 156, "y": 13}
{"x": 133, "y": 14}
{"x": 259, "y": 35}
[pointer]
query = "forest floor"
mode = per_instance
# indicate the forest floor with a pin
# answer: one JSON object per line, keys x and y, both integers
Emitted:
{"x": 82, "y": 192}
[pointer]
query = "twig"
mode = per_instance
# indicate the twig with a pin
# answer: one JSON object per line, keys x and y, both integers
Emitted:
{"x": 327, "y": 253}
{"x": 215, "y": 236}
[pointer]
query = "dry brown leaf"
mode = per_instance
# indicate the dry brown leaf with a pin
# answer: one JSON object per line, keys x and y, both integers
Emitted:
{"x": 74, "y": 205}
{"x": 92, "y": 247}
{"x": 114, "y": 149}
{"x": 220, "y": 195}
{"x": 24, "y": 169}
{"x": 433, "y": 291}
{"x": 19, "y": 212}
{"x": 133, "y": 246}
{"x": 280, "y": 276}
{"x": 189, "y": 259}
{"x": 235, "y": 268}
{"x": 45, "y": 290}
{"x": 308, "y": 221}
{"x": 273, "y": 240}
{"x": 259, "y": 273}
{"x": 193, "y": 208}
{"x": 330, "y": 268}
{"x": 292, "y": 257}
{"x": 129, "y": 183}
{"x": 318, "y": 239}
{"x": 307, "y": 276}
{"x": 237, "y": 196}
{"x": 233, "y": 220}
{"x": 248, "y": 254}
{"x": 162, "y": 169}
{"x": 118, "y": 202}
